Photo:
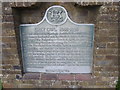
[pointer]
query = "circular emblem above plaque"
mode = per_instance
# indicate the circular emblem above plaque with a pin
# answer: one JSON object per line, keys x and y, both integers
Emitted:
{"x": 56, "y": 15}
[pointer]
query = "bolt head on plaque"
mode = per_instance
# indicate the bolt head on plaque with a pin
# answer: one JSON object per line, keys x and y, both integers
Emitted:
{"x": 56, "y": 15}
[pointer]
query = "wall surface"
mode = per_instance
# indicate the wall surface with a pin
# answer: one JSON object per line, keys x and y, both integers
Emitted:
{"x": 105, "y": 16}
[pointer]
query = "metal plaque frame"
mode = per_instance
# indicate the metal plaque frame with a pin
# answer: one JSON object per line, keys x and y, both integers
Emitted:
{"x": 79, "y": 69}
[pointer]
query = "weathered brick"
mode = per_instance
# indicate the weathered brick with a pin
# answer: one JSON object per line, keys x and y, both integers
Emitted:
{"x": 46, "y": 83}
{"x": 30, "y": 81}
{"x": 113, "y": 32}
{"x": 4, "y": 4}
{"x": 104, "y": 63}
{"x": 103, "y": 33}
{"x": 11, "y": 72}
{"x": 100, "y": 45}
{"x": 10, "y": 56}
{"x": 106, "y": 39}
{"x": 111, "y": 57}
{"x": 100, "y": 51}
{"x": 112, "y": 45}
{"x": 101, "y": 83}
{"x": 11, "y": 77}
{"x": 7, "y": 66}
{"x": 111, "y": 51}
{"x": 110, "y": 68}
{"x": 106, "y": 74}
{"x": 8, "y": 4}
{"x": 49, "y": 77}
{"x": 7, "y": 26}
{"x": 107, "y": 17}
{"x": 57, "y": 84}
{"x": 28, "y": 4}
{"x": 8, "y": 32}
{"x": 65, "y": 77}
{"x": 84, "y": 84}
{"x": 7, "y": 10}
{"x": 35, "y": 76}
{"x": 108, "y": 9}
{"x": 8, "y": 85}
{"x": 26, "y": 86}
{"x": 11, "y": 4}
{"x": 65, "y": 83}
{"x": 7, "y": 18}
{"x": 17, "y": 67}
{"x": 114, "y": 74}
{"x": 107, "y": 79}
{"x": 13, "y": 62}
{"x": 8, "y": 39}
{"x": 9, "y": 45}
{"x": 99, "y": 57}
{"x": 98, "y": 68}
{"x": 83, "y": 77}
{"x": 106, "y": 51}
{"x": 89, "y": 3}
{"x": 75, "y": 83}
{"x": 19, "y": 4}
{"x": 10, "y": 51}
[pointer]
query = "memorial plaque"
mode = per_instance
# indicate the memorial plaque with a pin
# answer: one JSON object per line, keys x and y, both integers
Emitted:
{"x": 57, "y": 44}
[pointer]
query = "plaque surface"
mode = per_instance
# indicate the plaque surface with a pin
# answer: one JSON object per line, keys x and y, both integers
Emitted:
{"x": 57, "y": 44}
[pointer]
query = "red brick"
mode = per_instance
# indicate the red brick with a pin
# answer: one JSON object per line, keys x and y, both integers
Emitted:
{"x": 31, "y": 76}
{"x": 49, "y": 76}
{"x": 8, "y": 85}
{"x": 110, "y": 57}
{"x": 83, "y": 77}
{"x": 66, "y": 77}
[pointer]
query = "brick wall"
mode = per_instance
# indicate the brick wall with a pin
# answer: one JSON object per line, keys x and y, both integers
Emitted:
{"x": 105, "y": 65}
